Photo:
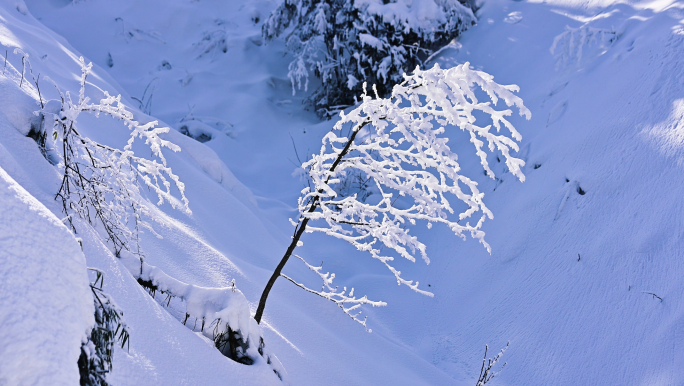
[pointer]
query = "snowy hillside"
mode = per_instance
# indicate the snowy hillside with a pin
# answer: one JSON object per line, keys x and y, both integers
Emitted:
{"x": 584, "y": 278}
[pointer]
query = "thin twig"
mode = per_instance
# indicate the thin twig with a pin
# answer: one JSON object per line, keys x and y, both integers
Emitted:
{"x": 23, "y": 69}
{"x": 295, "y": 149}
{"x": 652, "y": 294}
{"x": 40, "y": 97}
{"x": 486, "y": 373}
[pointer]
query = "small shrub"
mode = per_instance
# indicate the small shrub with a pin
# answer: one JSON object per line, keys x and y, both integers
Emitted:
{"x": 487, "y": 372}
{"x": 95, "y": 361}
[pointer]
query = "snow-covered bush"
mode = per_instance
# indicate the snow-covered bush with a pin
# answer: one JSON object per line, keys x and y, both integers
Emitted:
{"x": 95, "y": 361}
{"x": 102, "y": 184}
{"x": 221, "y": 314}
{"x": 398, "y": 144}
{"x": 348, "y": 42}
{"x": 204, "y": 128}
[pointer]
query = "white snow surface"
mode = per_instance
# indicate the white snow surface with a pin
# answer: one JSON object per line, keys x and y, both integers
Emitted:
{"x": 46, "y": 304}
{"x": 415, "y": 15}
{"x": 576, "y": 248}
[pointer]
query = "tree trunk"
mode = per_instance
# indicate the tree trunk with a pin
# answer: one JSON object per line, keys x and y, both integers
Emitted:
{"x": 295, "y": 239}
{"x": 299, "y": 231}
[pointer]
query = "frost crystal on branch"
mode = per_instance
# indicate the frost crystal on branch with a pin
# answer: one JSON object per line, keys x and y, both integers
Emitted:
{"x": 396, "y": 149}
{"x": 398, "y": 143}
{"x": 340, "y": 298}
{"x": 103, "y": 183}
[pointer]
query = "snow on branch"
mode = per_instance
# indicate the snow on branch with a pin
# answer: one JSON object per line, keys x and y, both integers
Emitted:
{"x": 347, "y": 42}
{"x": 487, "y": 372}
{"x": 340, "y": 298}
{"x": 398, "y": 143}
{"x": 221, "y": 314}
{"x": 570, "y": 44}
{"x": 101, "y": 183}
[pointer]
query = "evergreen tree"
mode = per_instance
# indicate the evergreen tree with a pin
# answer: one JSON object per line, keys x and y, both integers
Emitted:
{"x": 348, "y": 42}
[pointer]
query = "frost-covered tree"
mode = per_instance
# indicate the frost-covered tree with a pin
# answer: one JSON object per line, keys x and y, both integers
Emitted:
{"x": 102, "y": 184}
{"x": 399, "y": 146}
{"x": 348, "y": 42}
{"x": 105, "y": 186}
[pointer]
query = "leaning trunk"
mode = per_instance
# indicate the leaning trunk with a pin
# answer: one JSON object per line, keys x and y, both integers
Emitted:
{"x": 299, "y": 231}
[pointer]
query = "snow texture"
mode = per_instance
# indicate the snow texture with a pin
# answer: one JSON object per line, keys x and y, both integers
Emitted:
{"x": 46, "y": 304}
{"x": 215, "y": 309}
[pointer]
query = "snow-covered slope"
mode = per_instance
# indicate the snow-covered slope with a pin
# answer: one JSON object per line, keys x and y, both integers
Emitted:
{"x": 44, "y": 275}
{"x": 47, "y": 305}
{"x": 597, "y": 226}
{"x": 577, "y": 250}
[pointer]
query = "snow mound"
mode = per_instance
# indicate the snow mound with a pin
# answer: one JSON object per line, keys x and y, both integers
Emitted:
{"x": 46, "y": 304}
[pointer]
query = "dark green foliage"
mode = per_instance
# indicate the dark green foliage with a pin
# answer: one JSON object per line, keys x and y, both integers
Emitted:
{"x": 344, "y": 43}
{"x": 96, "y": 353}
{"x": 233, "y": 345}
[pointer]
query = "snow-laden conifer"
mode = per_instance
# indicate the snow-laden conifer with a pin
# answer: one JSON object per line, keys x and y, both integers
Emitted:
{"x": 399, "y": 146}
{"x": 348, "y": 42}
